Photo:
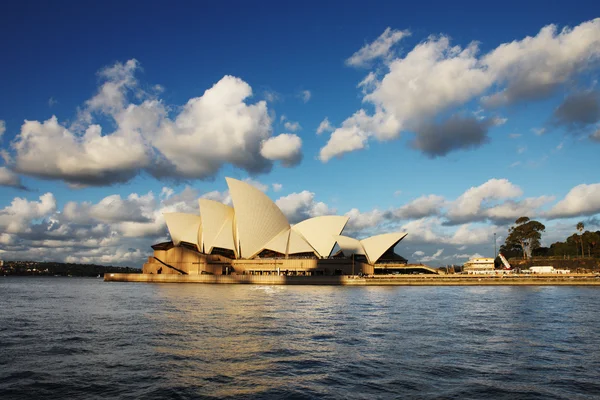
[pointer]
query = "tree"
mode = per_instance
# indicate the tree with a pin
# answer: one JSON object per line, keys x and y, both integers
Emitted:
{"x": 580, "y": 228}
{"x": 591, "y": 240}
{"x": 526, "y": 235}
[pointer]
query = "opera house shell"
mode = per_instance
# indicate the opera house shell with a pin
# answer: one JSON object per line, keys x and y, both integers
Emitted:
{"x": 255, "y": 237}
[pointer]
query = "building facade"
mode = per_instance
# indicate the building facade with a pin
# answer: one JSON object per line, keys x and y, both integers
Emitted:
{"x": 255, "y": 237}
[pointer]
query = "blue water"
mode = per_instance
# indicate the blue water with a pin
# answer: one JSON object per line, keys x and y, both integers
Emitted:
{"x": 83, "y": 338}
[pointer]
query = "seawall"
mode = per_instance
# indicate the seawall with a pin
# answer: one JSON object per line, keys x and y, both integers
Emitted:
{"x": 420, "y": 280}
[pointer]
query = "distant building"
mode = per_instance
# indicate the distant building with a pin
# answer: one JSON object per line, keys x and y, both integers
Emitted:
{"x": 479, "y": 266}
{"x": 547, "y": 269}
{"x": 1, "y": 263}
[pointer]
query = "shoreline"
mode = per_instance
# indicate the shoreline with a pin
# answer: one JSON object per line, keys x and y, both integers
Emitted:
{"x": 345, "y": 280}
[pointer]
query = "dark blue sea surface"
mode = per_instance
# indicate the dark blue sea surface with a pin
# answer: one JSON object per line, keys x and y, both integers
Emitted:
{"x": 77, "y": 338}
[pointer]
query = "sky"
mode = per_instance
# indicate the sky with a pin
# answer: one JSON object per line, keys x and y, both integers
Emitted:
{"x": 446, "y": 120}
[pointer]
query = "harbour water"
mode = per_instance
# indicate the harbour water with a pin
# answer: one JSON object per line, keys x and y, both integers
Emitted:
{"x": 85, "y": 338}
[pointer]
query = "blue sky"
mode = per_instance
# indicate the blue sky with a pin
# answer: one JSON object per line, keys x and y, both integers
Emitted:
{"x": 448, "y": 121}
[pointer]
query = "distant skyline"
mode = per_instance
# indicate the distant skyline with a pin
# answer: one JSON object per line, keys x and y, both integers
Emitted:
{"x": 446, "y": 121}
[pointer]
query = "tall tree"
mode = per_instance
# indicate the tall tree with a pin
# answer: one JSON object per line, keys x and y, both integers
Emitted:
{"x": 591, "y": 240}
{"x": 580, "y": 227}
{"x": 525, "y": 234}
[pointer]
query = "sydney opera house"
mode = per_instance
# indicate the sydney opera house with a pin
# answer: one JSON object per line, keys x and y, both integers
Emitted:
{"x": 255, "y": 238}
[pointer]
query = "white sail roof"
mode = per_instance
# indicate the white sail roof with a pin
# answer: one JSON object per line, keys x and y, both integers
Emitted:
{"x": 279, "y": 242}
{"x": 217, "y": 225}
{"x": 184, "y": 227}
{"x": 320, "y": 232}
{"x": 375, "y": 246}
{"x": 297, "y": 244}
{"x": 258, "y": 219}
{"x": 349, "y": 245}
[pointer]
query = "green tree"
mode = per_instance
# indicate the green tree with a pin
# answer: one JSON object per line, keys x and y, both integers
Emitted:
{"x": 580, "y": 227}
{"x": 525, "y": 235}
{"x": 591, "y": 239}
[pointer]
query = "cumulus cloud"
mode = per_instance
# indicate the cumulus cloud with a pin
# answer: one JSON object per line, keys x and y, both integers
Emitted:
{"x": 435, "y": 77}
{"x": 16, "y": 217}
{"x": 364, "y": 221}
{"x": 217, "y": 128}
{"x": 300, "y": 206}
{"x": 533, "y": 67}
{"x": 292, "y": 126}
{"x": 582, "y": 200}
{"x": 286, "y": 148}
{"x": 277, "y": 187}
{"x": 578, "y": 110}
{"x": 467, "y": 207}
{"x": 436, "y": 140}
{"x": 423, "y": 206}
{"x": 9, "y": 178}
{"x": 432, "y": 257}
{"x": 380, "y": 48}
{"x": 115, "y": 230}
{"x": 324, "y": 126}
{"x": 221, "y": 197}
{"x": 110, "y": 209}
{"x": 355, "y": 132}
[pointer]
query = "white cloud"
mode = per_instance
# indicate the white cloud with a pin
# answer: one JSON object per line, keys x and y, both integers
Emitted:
{"x": 468, "y": 206}
{"x": 432, "y": 257}
{"x": 18, "y": 215}
{"x": 277, "y": 187}
{"x": 259, "y": 185}
{"x": 300, "y": 206}
{"x": 305, "y": 95}
{"x": 221, "y": 197}
{"x": 435, "y": 77}
{"x": 166, "y": 192}
{"x": 510, "y": 210}
{"x": 292, "y": 126}
{"x": 2, "y": 128}
{"x": 216, "y": 128}
{"x": 271, "y": 96}
{"x": 113, "y": 208}
{"x": 364, "y": 221}
{"x": 418, "y": 253}
{"x": 380, "y": 48}
{"x": 423, "y": 206}
{"x": 9, "y": 178}
{"x": 582, "y": 200}
{"x": 286, "y": 148}
{"x": 538, "y": 131}
{"x": 533, "y": 67}
{"x": 521, "y": 149}
{"x": 355, "y": 132}
{"x": 325, "y": 126}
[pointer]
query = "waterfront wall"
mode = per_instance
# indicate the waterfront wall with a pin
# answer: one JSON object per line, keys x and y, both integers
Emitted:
{"x": 446, "y": 280}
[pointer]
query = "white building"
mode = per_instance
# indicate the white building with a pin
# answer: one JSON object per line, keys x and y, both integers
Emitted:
{"x": 255, "y": 227}
{"x": 479, "y": 266}
{"x": 547, "y": 269}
